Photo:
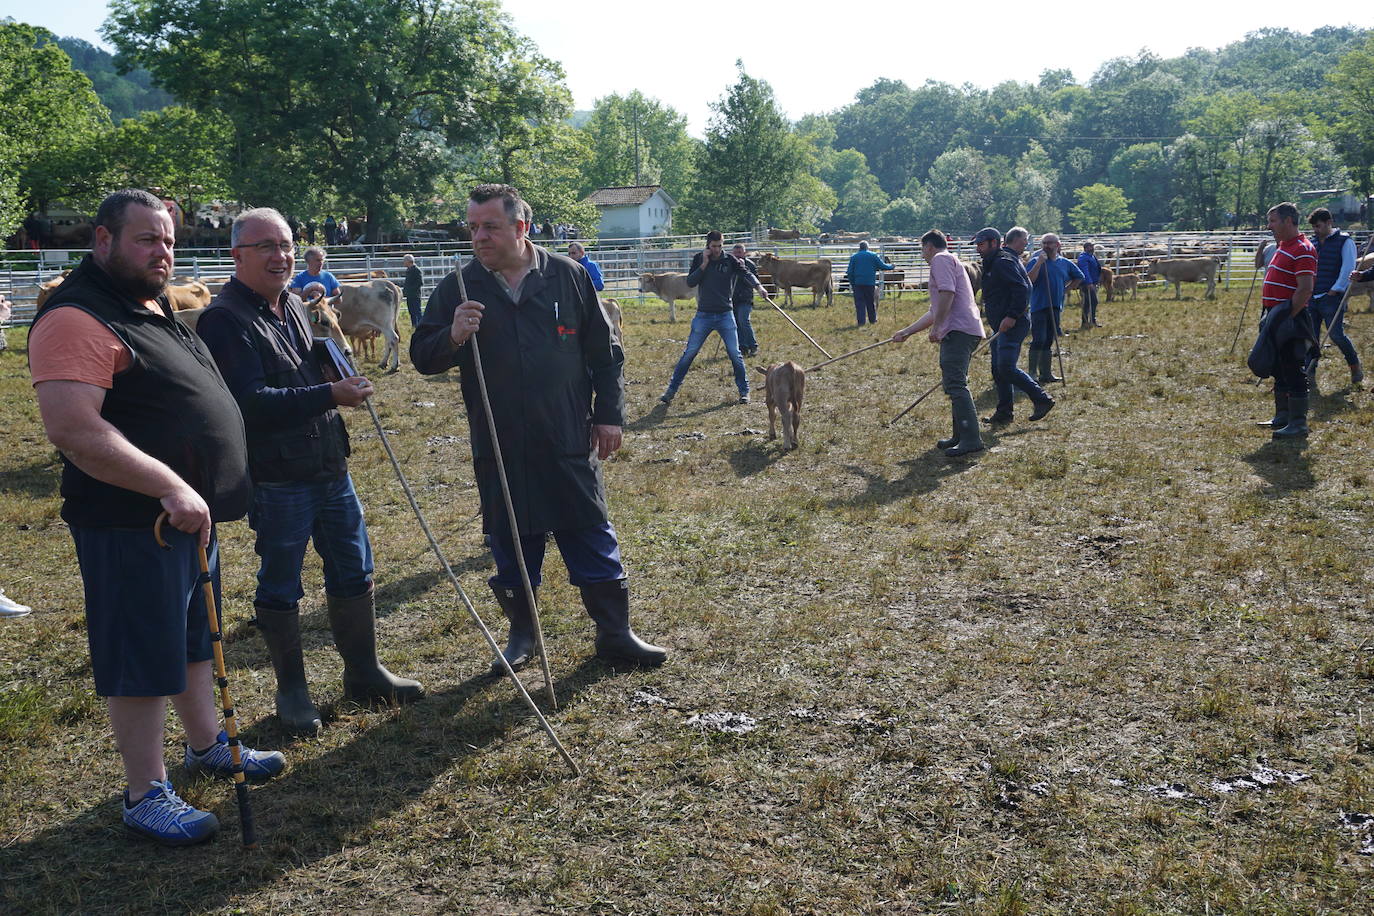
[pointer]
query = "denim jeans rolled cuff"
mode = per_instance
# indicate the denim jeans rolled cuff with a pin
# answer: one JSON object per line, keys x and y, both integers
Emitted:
{"x": 287, "y": 516}
{"x": 590, "y": 554}
{"x": 703, "y": 323}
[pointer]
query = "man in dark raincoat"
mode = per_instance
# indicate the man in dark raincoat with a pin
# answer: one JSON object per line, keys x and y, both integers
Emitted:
{"x": 557, "y": 391}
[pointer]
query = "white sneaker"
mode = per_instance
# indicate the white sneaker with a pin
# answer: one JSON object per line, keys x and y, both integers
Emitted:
{"x": 11, "y": 608}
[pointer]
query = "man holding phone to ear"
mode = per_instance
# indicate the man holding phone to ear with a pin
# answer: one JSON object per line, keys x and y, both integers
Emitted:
{"x": 298, "y": 450}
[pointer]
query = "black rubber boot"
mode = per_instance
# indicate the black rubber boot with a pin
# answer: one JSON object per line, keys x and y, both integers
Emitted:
{"x": 520, "y": 646}
{"x": 608, "y": 603}
{"x": 353, "y": 621}
{"x": 966, "y": 425}
{"x": 1297, "y": 420}
{"x": 1280, "y": 419}
{"x": 1356, "y": 373}
{"x": 281, "y": 630}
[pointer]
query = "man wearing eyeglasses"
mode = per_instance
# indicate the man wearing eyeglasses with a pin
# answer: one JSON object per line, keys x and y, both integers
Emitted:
{"x": 315, "y": 273}
{"x": 259, "y": 334}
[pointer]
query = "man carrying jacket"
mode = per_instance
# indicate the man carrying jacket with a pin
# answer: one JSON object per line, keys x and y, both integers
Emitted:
{"x": 298, "y": 450}
{"x": 557, "y": 391}
{"x": 1006, "y": 294}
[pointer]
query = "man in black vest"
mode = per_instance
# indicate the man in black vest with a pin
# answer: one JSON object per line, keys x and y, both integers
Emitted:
{"x": 556, "y": 386}
{"x": 1335, "y": 260}
{"x": 145, "y": 424}
{"x": 260, "y": 336}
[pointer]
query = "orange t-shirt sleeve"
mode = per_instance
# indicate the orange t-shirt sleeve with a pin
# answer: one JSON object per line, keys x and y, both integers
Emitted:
{"x": 71, "y": 345}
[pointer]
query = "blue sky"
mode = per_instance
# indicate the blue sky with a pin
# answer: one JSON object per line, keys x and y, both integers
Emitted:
{"x": 817, "y": 56}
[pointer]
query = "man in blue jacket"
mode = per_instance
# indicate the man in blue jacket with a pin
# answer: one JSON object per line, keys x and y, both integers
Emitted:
{"x": 1092, "y": 276}
{"x": 579, "y": 254}
{"x": 1051, "y": 275}
{"x": 863, "y": 278}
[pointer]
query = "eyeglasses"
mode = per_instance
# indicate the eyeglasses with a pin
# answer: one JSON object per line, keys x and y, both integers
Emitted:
{"x": 267, "y": 246}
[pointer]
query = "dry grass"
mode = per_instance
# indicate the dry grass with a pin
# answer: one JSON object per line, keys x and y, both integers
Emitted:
{"x": 965, "y": 674}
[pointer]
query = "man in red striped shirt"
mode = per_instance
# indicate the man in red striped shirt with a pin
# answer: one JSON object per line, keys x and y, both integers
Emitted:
{"x": 1288, "y": 284}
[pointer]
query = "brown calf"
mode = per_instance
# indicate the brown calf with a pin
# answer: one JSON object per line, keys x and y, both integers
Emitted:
{"x": 784, "y": 385}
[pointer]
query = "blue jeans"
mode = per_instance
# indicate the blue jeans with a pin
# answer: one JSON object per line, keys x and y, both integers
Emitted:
{"x": 1324, "y": 311}
{"x": 747, "y": 340}
{"x": 287, "y": 515}
{"x": 703, "y": 323}
{"x": 591, "y": 554}
{"x": 865, "y": 305}
{"x": 1006, "y": 375}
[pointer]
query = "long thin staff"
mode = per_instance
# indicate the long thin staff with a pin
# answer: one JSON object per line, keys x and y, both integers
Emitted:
{"x": 1059, "y": 354}
{"x": 231, "y": 728}
{"x": 836, "y": 359}
{"x": 931, "y": 389}
{"x": 797, "y": 326}
{"x": 462, "y": 595}
{"x": 1240, "y": 325}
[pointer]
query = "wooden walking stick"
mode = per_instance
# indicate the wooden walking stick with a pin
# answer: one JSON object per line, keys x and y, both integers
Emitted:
{"x": 931, "y": 390}
{"x": 345, "y": 369}
{"x": 795, "y": 325}
{"x": 1240, "y": 325}
{"x": 836, "y": 359}
{"x": 231, "y": 728}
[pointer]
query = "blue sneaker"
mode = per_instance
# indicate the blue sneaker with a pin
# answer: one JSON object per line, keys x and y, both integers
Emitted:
{"x": 258, "y": 766}
{"x": 161, "y": 815}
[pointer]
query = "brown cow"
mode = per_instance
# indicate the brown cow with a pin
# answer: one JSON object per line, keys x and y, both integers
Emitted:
{"x": 786, "y": 274}
{"x": 669, "y": 287}
{"x": 1123, "y": 282}
{"x": 373, "y": 306}
{"x": 611, "y": 309}
{"x": 1185, "y": 270}
{"x": 186, "y": 293}
{"x": 975, "y": 275}
{"x": 1104, "y": 282}
{"x": 783, "y": 385}
{"x": 783, "y": 235}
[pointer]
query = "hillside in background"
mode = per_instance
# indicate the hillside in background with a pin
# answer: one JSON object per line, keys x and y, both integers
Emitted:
{"x": 125, "y": 94}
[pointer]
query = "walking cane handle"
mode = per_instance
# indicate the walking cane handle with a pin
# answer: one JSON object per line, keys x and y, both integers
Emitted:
{"x": 157, "y": 530}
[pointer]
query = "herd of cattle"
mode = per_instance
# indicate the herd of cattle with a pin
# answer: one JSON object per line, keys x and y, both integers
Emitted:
{"x": 362, "y": 311}
{"x": 1185, "y": 264}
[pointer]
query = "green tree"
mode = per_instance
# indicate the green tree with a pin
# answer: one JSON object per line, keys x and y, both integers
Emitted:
{"x": 904, "y": 216}
{"x": 751, "y": 158}
{"x": 176, "y": 149}
{"x": 1101, "y": 208}
{"x": 50, "y": 124}
{"x": 1143, "y": 173}
{"x": 1353, "y": 127}
{"x": 960, "y": 190}
{"x": 625, "y": 132}
{"x": 365, "y": 99}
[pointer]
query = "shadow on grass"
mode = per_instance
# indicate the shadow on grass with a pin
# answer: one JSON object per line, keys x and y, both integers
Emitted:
{"x": 317, "y": 809}
{"x": 924, "y": 474}
{"x": 756, "y": 457}
{"x": 37, "y": 480}
{"x": 1285, "y": 466}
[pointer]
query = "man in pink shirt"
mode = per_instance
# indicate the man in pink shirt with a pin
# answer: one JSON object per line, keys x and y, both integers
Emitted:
{"x": 955, "y": 325}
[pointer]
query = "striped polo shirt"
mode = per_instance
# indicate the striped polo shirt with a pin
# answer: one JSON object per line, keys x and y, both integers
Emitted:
{"x": 1293, "y": 258}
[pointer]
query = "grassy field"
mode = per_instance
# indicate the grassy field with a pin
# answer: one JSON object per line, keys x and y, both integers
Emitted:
{"x": 1014, "y": 683}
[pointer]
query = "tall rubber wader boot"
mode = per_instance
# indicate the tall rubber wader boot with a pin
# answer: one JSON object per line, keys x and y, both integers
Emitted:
{"x": 281, "y": 630}
{"x": 353, "y": 622}
{"x": 520, "y": 648}
{"x": 608, "y": 603}
{"x": 1297, "y": 420}
{"x": 966, "y": 422}
{"x": 1280, "y": 419}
